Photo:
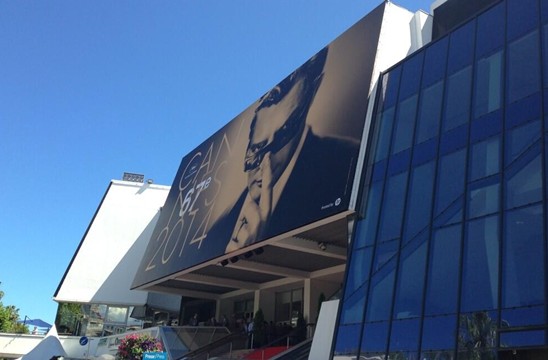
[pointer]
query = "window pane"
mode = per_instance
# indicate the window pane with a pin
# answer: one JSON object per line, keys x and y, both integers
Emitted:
{"x": 430, "y": 110}
{"x": 405, "y": 124}
{"x": 545, "y": 53}
{"x": 367, "y": 228}
{"x": 461, "y": 47}
{"x": 382, "y": 282}
{"x": 523, "y": 67}
{"x": 485, "y": 158}
{"x": 391, "y": 84}
{"x": 353, "y": 307}
{"x": 483, "y": 197}
{"x": 522, "y": 17}
{"x": 523, "y": 338}
{"x": 375, "y": 337}
{"x": 450, "y": 181}
{"x": 480, "y": 271}
{"x": 411, "y": 76}
{"x": 524, "y": 179}
{"x": 420, "y": 200}
{"x": 488, "y": 85}
{"x": 519, "y": 139}
{"x": 384, "y": 133}
{"x": 434, "y": 62}
{"x": 409, "y": 289}
{"x": 523, "y": 254}
{"x": 457, "y": 108}
{"x": 392, "y": 212}
{"x": 488, "y": 40}
{"x": 358, "y": 271}
{"x": 441, "y": 296}
{"x": 405, "y": 335}
{"x": 116, "y": 314}
{"x": 348, "y": 337}
{"x": 439, "y": 333}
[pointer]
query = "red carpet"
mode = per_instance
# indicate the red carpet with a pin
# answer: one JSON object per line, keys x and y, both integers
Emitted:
{"x": 268, "y": 353}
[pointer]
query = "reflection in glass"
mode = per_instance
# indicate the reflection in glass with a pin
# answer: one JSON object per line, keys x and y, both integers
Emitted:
{"x": 523, "y": 67}
{"x": 443, "y": 272}
{"x": 348, "y": 338}
{"x": 524, "y": 178}
{"x": 420, "y": 200}
{"x": 483, "y": 197}
{"x": 488, "y": 90}
{"x": 405, "y": 124}
{"x": 410, "y": 284}
{"x": 384, "y": 134}
{"x": 367, "y": 228}
{"x": 480, "y": 269}
{"x": 457, "y": 108}
{"x": 523, "y": 258}
{"x": 523, "y": 338}
{"x": 430, "y": 110}
{"x": 379, "y": 303}
{"x": 520, "y": 139}
{"x": 450, "y": 180}
{"x": 485, "y": 158}
{"x": 358, "y": 270}
{"x": 477, "y": 336}
{"x": 392, "y": 212}
{"x": 488, "y": 40}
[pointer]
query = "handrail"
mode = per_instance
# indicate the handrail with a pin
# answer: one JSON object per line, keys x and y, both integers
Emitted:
{"x": 212, "y": 346}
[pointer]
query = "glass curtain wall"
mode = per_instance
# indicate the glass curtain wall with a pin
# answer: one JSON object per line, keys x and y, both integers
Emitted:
{"x": 449, "y": 258}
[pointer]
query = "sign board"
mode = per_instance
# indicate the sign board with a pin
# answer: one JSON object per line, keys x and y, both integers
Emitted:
{"x": 83, "y": 340}
{"x": 286, "y": 161}
{"x": 155, "y": 356}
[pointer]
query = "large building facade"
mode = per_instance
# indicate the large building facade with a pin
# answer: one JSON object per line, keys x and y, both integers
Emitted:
{"x": 449, "y": 257}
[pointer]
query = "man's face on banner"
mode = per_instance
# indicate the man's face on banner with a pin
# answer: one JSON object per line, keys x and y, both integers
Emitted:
{"x": 277, "y": 129}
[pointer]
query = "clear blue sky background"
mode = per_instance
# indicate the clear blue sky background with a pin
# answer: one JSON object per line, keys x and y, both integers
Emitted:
{"x": 91, "y": 89}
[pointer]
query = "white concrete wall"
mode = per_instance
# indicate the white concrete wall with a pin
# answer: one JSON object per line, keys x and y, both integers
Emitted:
{"x": 104, "y": 266}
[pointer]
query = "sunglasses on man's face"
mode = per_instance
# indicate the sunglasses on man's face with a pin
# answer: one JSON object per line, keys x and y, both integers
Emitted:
{"x": 255, "y": 152}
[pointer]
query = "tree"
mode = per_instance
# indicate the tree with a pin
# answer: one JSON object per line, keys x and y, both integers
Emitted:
{"x": 9, "y": 315}
{"x": 68, "y": 316}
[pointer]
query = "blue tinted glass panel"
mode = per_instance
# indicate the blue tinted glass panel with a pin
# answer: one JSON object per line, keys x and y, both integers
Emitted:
{"x": 488, "y": 90}
{"x": 519, "y": 139}
{"x": 382, "y": 283}
{"x": 457, "y": 108}
{"x": 419, "y": 206}
{"x": 524, "y": 316}
{"x": 524, "y": 110}
{"x": 367, "y": 228}
{"x": 394, "y": 198}
{"x": 348, "y": 338}
{"x": 544, "y": 10}
{"x": 454, "y": 139}
{"x": 523, "y": 338}
{"x": 523, "y": 178}
{"x": 384, "y": 133}
{"x": 523, "y": 67}
{"x": 434, "y": 62}
{"x": 405, "y": 335}
{"x": 399, "y": 162}
{"x": 425, "y": 151}
{"x": 483, "y": 197}
{"x": 443, "y": 272}
{"x": 545, "y": 53}
{"x": 523, "y": 258}
{"x": 485, "y": 158}
{"x": 391, "y": 83}
{"x": 473, "y": 343}
{"x": 375, "y": 337}
{"x": 410, "y": 285}
{"x": 405, "y": 124}
{"x": 461, "y": 47}
{"x": 411, "y": 76}
{"x": 439, "y": 333}
{"x": 490, "y": 34}
{"x": 359, "y": 268}
{"x": 430, "y": 111}
{"x": 486, "y": 126}
{"x": 450, "y": 180}
{"x": 353, "y": 307}
{"x": 480, "y": 270}
{"x": 522, "y": 17}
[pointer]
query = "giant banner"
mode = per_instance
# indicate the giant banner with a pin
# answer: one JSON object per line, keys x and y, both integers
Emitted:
{"x": 288, "y": 160}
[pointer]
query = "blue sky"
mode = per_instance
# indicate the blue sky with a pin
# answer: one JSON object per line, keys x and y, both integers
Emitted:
{"x": 92, "y": 89}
